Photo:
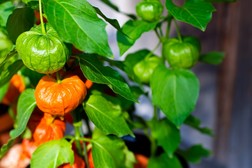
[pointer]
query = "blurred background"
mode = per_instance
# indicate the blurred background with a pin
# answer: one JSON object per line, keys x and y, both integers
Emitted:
{"x": 225, "y": 102}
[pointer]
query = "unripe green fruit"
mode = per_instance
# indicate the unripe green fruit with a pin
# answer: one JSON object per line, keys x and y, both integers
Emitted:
{"x": 149, "y": 11}
{"x": 192, "y": 40}
{"x": 180, "y": 54}
{"x": 43, "y": 53}
{"x": 145, "y": 68}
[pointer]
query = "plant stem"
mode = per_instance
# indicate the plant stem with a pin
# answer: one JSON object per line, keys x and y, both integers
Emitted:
{"x": 177, "y": 30}
{"x": 152, "y": 51}
{"x": 41, "y": 18}
{"x": 58, "y": 77}
{"x": 85, "y": 154}
{"x": 158, "y": 35}
{"x": 155, "y": 114}
{"x": 77, "y": 127}
{"x": 168, "y": 28}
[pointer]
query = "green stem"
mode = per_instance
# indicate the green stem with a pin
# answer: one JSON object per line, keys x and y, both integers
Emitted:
{"x": 168, "y": 28}
{"x": 153, "y": 146}
{"x": 158, "y": 35}
{"x": 85, "y": 139}
{"x": 85, "y": 154}
{"x": 155, "y": 114}
{"x": 41, "y": 18}
{"x": 77, "y": 135}
{"x": 58, "y": 77}
{"x": 177, "y": 30}
{"x": 152, "y": 51}
{"x": 160, "y": 31}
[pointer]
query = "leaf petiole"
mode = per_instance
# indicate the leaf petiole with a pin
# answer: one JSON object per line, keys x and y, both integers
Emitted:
{"x": 41, "y": 18}
{"x": 178, "y": 31}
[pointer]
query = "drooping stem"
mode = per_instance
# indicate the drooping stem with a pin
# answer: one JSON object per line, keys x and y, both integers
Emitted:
{"x": 153, "y": 50}
{"x": 177, "y": 30}
{"x": 41, "y": 18}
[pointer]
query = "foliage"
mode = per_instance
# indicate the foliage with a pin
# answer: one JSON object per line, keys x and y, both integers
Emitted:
{"x": 58, "y": 37}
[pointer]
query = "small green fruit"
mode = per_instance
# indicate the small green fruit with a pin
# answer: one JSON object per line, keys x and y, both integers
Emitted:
{"x": 180, "y": 54}
{"x": 145, "y": 68}
{"x": 43, "y": 53}
{"x": 149, "y": 11}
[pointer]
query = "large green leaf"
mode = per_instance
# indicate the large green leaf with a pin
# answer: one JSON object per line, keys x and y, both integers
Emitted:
{"x": 131, "y": 31}
{"x": 95, "y": 71}
{"x": 5, "y": 10}
{"x": 106, "y": 116}
{"x": 25, "y": 107}
{"x": 198, "y": 13}
{"x": 163, "y": 161}
{"x": 52, "y": 154}
{"x": 167, "y": 135}
{"x": 195, "y": 153}
{"x": 111, "y": 152}
{"x": 21, "y": 20}
{"x": 77, "y": 23}
{"x": 175, "y": 92}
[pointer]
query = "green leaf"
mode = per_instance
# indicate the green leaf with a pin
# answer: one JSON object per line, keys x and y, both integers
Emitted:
{"x": 76, "y": 22}
{"x": 113, "y": 22}
{"x": 198, "y": 13}
{"x": 175, "y": 92}
{"x": 95, "y": 71}
{"x": 163, "y": 161}
{"x": 110, "y": 4}
{"x": 5, "y": 10}
{"x": 131, "y": 31}
{"x": 195, "y": 153}
{"x": 167, "y": 135}
{"x": 113, "y": 6}
{"x": 3, "y": 91}
{"x": 52, "y": 154}
{"x": 110, "y": 151}
{"x": 214, "y": 58}
{"x": 106, "y": 116}
{"x": 28, "y": 1}
{"x": 26, "y": 104}
{"x": 11, "y": 56}
{"x": 8, "y": 69}
{"x": 196, "y": 124}
{"x": 131, "y": 60}
{"x": 21, "y": 20}
{"x": 6, "y": 147}
{"x": 25, "y": 107}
